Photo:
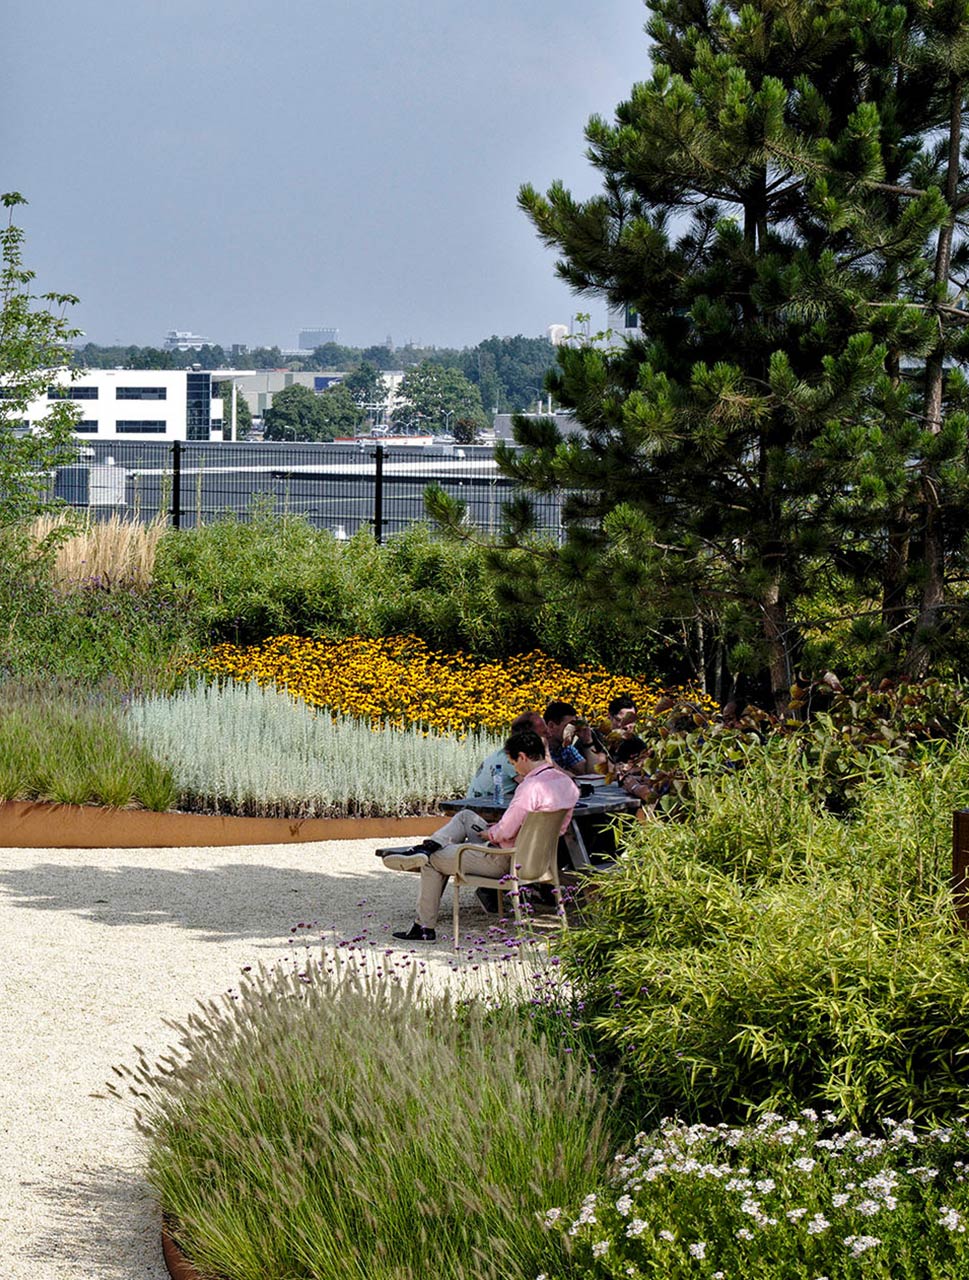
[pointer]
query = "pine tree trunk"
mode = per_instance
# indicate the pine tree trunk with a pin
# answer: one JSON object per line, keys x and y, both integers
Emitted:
{"x": 778, "y": 654}
{"x": 933, "y": 579}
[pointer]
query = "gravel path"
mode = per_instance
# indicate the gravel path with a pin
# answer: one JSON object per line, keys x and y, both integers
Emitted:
{"x": 99, "y": 947}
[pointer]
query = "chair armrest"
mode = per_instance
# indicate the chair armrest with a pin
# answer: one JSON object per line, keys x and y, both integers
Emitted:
{"x": 482, "y": 848}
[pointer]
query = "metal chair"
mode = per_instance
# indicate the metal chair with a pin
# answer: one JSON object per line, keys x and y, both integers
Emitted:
{"x": 533, "y": 860}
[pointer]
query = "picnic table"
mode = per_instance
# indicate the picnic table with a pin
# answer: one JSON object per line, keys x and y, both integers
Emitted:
{"x": 603, "y": 802}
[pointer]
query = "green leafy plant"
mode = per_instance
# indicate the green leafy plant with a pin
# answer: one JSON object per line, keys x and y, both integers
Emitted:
{"x": 764, "y": 952}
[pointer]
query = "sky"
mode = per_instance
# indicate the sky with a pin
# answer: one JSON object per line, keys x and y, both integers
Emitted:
{"x": 248, "y": 170}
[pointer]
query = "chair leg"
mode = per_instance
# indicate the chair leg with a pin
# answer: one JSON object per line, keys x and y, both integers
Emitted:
{"x": 455, "y": 893}
{"x": 516, "y": 900}
{"x": 560, "y": 904}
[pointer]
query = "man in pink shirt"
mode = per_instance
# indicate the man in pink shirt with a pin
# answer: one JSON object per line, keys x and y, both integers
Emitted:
{"x": 542, "y": 787}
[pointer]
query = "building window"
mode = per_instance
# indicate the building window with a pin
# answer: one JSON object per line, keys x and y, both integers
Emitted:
{"x": 87, "y": 425}
{"x": 140, "y": 426}
{"x": 72, "y": 393}
{"x": 141, "y": 393}
{"x": 198, "y": 406}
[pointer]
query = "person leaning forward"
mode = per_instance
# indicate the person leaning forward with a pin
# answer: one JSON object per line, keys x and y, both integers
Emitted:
{"x": 482, "y": 784}
{"x": 542, "y": 788}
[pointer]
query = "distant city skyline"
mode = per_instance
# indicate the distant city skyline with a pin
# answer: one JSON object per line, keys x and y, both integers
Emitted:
{"x": 245, "y": 172}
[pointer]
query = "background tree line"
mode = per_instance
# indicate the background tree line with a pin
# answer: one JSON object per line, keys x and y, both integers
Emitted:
{"x": 508, "y": 372}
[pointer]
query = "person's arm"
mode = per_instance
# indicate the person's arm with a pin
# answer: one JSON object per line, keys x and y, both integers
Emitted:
{"x": 584, "y": 744}
{"x": 503, "y": 831}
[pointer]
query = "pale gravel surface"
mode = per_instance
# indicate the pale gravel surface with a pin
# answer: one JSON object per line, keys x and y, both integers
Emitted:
{"x": 98, "y": 948}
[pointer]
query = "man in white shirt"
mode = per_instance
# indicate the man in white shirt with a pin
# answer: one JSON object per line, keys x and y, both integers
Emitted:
{"x": 542, "y": 787}
{"x": 482, "y": 784}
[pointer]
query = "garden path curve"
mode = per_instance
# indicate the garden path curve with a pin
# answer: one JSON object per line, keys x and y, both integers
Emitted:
{"x": 99, "y": 946}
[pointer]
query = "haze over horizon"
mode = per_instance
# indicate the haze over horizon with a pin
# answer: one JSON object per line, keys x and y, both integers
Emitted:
{"x": 245, "y": 172}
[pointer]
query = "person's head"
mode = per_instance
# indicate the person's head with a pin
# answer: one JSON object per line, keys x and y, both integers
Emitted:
{"x": 622, "y": 711}
{"x": 530, "y": 720}
{"x": 557, "y": 716}
{"x": 525, "y": 749}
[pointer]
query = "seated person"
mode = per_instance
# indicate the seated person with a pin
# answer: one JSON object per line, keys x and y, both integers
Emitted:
{"x": 482, "y": 784}
{"x": 541, "y": 788}
{"x": 570, "y": 743}
{"x": 617, "y": 738}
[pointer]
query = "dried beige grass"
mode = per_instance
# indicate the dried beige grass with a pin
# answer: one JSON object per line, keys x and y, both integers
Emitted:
{"x": 112, "y": 553}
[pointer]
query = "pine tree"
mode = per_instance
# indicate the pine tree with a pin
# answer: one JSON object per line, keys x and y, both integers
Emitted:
{"x": 754, "y": 438}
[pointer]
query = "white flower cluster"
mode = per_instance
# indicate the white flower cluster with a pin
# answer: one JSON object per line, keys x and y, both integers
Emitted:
{"x": 861, "y": 1244}
{"x": 951, "y": 1219}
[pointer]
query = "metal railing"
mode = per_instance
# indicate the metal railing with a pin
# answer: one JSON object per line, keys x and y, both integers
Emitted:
{"x": 339, "y": 487}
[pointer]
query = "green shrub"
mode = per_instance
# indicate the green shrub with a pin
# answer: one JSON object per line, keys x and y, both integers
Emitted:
{"x": 765, "y": 953}
{"x": 340, "y": 1125}
{"x": 242, "y": 581}
{"x": 240, "y": 748}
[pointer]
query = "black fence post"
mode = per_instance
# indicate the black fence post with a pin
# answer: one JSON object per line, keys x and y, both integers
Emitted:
{"x": 378, "y": 495}
{"x": 176, "y": 484}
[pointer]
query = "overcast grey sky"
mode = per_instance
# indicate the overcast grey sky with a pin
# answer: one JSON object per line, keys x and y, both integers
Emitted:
{"x": 248, "y": 169}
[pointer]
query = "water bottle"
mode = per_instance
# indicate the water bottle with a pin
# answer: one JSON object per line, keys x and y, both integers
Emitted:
{"x": 497, "y": 784}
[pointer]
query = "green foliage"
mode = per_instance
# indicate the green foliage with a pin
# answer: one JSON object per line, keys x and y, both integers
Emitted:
{"x": 841, "y": 739}
{"x": 62, "y": 744}
{"x": 430, "y": 397}
{"x": 34, "y": 339}
{"x": 243, "y": 581}
{"x": 343, "y": 1125}
{"x": 297, "y": 413}
{"x": 769, "y": 426}
{"x": 288, "y": 760}
{"x": 89, "y": 633}
{"x": 763, "y": 952}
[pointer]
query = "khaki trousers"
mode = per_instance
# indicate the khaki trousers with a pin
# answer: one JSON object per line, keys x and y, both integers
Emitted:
{"x": 465, "y": 826}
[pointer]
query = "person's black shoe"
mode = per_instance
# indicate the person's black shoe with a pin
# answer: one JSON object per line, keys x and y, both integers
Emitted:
{"x": 430, "y": 846}
{"x": 416, "y": 933}
{"x": 488, "y": 899}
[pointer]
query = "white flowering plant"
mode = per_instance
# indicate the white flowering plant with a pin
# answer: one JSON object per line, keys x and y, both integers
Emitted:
{"x": 793, "y": 1198}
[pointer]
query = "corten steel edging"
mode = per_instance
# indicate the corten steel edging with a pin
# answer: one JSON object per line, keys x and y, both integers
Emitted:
{"x": 36, "y": 825}
{"x": 960, "y": 865}
{"x": 179, "y": 1267}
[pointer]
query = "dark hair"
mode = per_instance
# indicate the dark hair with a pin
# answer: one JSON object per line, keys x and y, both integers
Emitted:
{"x": 557, "y": 711}
{"x": 621, "y": 703}
{"x": 525, "y": 741}
{"x": 524, "y": 721}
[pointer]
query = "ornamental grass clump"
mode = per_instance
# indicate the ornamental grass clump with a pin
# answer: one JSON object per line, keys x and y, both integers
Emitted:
{"x": 340, "y": 1124}
{"x": 113, "y": 554}
{"x": 792, "y": 1198}
{"x": 59, "y": 743}
{"x": 241, "y": 749}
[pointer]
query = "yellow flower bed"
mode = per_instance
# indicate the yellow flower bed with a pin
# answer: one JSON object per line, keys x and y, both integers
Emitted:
{"x": 400, "y": 679}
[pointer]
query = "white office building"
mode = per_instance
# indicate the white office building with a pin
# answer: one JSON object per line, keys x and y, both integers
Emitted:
{"x": 133, "y": 404}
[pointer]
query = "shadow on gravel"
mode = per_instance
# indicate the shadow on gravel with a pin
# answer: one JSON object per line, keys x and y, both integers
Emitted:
{"x": 216, "y": 903}
{"x": 103, "y": 1223}
{"x": 243, "y": 901}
